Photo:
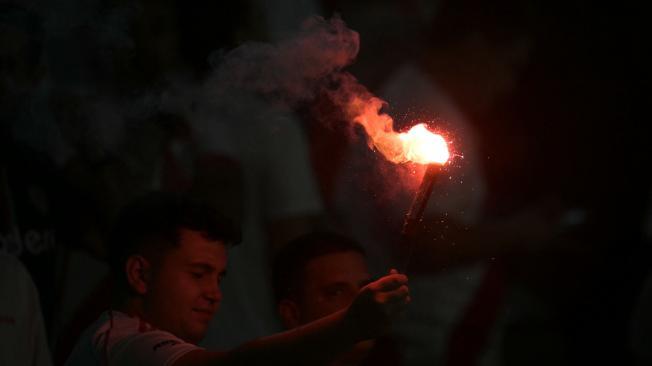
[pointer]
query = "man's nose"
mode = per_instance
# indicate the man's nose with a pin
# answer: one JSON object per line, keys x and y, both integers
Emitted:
{"x": 213, "y": 294}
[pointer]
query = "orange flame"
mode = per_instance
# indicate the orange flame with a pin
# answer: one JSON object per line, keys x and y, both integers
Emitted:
{"x": 418, "y": 145}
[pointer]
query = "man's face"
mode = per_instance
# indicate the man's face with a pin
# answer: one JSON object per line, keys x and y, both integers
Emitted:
{"x": 331, "y": 282}
{"x": 184, "y": 286}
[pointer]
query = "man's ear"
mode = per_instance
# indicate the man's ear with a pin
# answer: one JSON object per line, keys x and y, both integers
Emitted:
{"x": 138, "y": 271}
{"x": 289, "y": 313}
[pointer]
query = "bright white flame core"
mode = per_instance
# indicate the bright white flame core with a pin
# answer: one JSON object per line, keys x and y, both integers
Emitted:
{"x": 424, "y": 147}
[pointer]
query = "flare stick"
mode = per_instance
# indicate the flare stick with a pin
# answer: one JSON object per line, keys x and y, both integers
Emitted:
{"x": 415, "y": 213}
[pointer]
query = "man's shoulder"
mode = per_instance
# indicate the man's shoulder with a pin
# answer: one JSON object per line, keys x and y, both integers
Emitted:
{"x": 114, "y": 327}
{"x": 119, "y": 339}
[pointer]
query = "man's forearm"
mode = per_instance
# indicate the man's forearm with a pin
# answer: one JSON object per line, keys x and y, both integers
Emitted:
{"x": 315, "y": 343}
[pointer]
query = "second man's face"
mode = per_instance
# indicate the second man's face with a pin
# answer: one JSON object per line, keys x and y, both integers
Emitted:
{"x": 331, "y": 283}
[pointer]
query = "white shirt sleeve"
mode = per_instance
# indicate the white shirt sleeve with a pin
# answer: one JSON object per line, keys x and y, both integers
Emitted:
{"x": 129, "y": 341}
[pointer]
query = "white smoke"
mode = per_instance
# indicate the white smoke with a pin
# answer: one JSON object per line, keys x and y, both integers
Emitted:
{"x": 291, "y": 70}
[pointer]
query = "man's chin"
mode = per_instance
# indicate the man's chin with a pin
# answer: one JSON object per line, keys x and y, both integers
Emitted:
{"x": 195, "y": 337}
{"x": 196, "y": 334}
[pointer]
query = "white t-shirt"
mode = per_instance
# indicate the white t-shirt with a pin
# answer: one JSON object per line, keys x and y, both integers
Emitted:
{"x": 22, "y": 331}
{"x": 119, "y": 339}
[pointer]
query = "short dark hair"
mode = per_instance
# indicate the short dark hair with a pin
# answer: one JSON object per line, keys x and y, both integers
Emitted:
{"x": 151, "y": 224}
{"x": 290, "y": 261}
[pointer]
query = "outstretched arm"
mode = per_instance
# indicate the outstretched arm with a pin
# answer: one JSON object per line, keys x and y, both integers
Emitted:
{"x": 322, "y": 340}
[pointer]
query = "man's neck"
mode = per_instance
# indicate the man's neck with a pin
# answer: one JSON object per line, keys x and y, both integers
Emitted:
{"x": 131, "y": 306}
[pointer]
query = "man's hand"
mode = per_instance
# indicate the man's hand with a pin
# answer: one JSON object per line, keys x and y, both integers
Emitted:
{"x": 377, "y": 304}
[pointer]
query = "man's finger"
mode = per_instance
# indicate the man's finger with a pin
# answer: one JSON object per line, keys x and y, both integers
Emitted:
{"x": 389, "y": 282}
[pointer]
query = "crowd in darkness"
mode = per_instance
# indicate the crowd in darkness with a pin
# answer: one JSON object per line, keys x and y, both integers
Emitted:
{"x": 535, "y": 248}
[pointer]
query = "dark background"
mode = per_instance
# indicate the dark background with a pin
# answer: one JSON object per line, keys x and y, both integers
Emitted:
{"x": 572, "y": 124}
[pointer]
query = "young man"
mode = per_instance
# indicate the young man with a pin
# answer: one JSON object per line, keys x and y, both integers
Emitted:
{"x": 170, "y": 255}
{"x": 319, "y": 274}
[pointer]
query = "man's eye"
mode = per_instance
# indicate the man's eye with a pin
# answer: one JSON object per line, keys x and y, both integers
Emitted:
{"x": 334, "y": 292}
{"x": 197, "y": 275}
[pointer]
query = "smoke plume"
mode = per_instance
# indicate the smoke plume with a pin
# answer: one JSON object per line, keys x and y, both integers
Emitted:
{"x": 298, "y": 69}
